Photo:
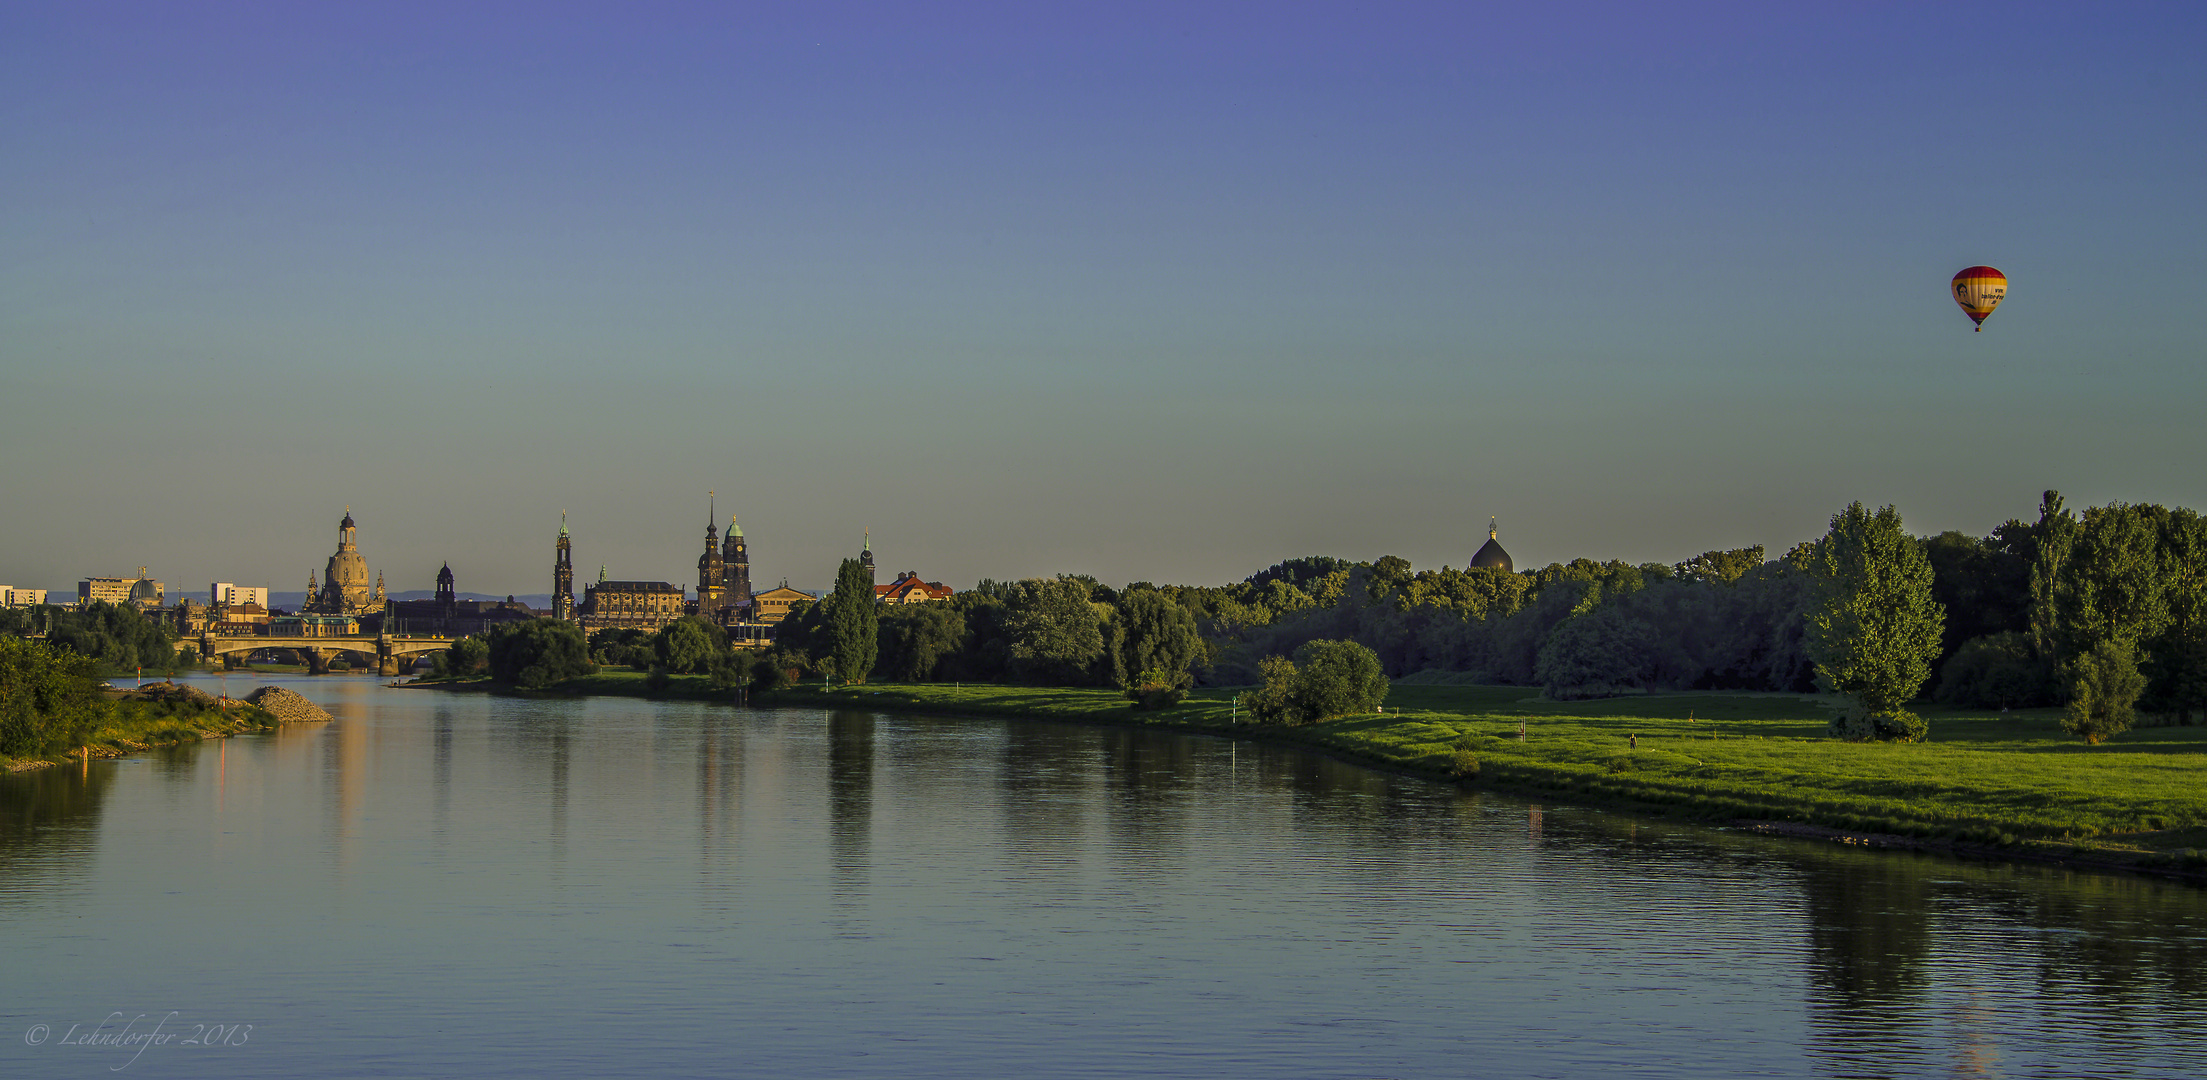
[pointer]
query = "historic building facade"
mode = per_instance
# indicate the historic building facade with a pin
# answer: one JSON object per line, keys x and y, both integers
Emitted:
{"x": 636, "y": 605}
{"x": 909, "y": 589}
{"x": 345, "y": 588}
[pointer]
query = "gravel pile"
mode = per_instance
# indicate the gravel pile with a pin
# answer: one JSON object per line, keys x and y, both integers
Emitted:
{"x": 287, "y": 706}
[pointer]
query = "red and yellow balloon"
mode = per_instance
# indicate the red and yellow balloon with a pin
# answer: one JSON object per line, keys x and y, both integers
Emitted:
{"x": 1980, "y": 289}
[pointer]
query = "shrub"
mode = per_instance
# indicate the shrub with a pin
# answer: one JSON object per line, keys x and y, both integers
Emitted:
{"x": 1858, "y": 724}
{"x": 1337, "y": 678}
{"x": 2104, "y": 691}
{"x": 1158, "y": 688}
{"x": 1464, "y": 765}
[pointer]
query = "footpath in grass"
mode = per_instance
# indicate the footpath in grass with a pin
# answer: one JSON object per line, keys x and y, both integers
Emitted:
{"x": 1982, "y": 778}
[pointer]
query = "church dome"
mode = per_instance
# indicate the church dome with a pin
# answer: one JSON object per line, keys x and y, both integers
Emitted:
{"x": 1491, "y": 555}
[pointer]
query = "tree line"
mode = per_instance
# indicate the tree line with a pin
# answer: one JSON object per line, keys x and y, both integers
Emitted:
{"x": 2103, "y": 612}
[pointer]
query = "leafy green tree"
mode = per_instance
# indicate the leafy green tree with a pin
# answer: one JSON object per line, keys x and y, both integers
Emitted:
{"x": 1875, "y": 627}
{"x": 2104, "y": 692}
{"x": 1721, "y": 567}
{"x": 916, "y": 639}
{"x": 466, "y": 657}
{"x": 854, "y": 623}
{"x": 1273, "y": 702}
{"x": 535, "y": 653}
{"x": 1056, "y": 631}
{"x": 1337, "y": 678}
{"x": 1158, "y": 636}
{"x": 689, "y": 646}
{"x": 1600, "y": 654}
{"x": 2051, "y": 540}
{"x": 49, "y": 698}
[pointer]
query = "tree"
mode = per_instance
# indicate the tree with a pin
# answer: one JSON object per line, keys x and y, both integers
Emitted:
{"x": 1274, "y": 701}
{"x": 464, "y": 658}
{"x": 1158, "y": 635}
{"x": 49, "y": 698}
{"x": 1721, "y": 567}
{"x": 1337, "y": 678}
{"x": 1056, "y": 632}
{"x": 854, "y": 623}
{"x": 1875, "y": 627}
{"x": 689, "y": 646}
{"x": 917, "y": 638}
{"x": 535, "y": 653}
{"x": 2105, "y": 690}
{"x": 1601, "y": 654}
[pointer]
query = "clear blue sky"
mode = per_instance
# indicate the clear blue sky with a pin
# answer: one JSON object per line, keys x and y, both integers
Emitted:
{"x": 1140, "y": 291}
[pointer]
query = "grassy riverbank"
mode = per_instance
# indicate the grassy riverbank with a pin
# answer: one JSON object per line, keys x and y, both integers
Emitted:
{"x": 133, "y": 726}
{"x": 1984, "y": 779}
{"x": 1986, "y": 782}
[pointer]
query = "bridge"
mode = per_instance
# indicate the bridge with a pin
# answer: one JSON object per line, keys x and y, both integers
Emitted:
{"x": 319, "y": 650}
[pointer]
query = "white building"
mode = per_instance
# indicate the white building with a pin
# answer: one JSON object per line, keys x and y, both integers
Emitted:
{"x": 225, "y": 594}
{"x": 10, "y": 596}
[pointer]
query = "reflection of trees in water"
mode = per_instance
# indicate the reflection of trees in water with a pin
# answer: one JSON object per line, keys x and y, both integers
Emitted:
{"x": 850, "y": 797}
{"x": 50, "y": 814}
{"x": 1913, "y": 958}
{"x": 1045, "y": 778}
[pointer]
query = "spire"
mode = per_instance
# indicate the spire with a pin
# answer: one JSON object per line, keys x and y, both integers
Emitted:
{"x": 1490, "y": 530}
{"x": 732, "y": 529}
{"x": 563, "y": 523}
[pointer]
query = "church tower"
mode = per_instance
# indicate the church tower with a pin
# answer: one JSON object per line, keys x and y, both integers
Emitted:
{"x": 711, "y": 592}
{"x": 448, "y": 601}
{"x": 866, "y": 556}
{"x": 563, "y": 575}
{"x": 736, "y": 570}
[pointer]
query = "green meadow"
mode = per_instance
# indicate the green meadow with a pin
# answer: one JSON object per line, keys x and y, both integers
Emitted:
{"x": 1982, "y": 778}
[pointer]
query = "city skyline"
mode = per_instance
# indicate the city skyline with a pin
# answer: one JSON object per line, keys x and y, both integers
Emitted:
{"x": 1139, "y": 292}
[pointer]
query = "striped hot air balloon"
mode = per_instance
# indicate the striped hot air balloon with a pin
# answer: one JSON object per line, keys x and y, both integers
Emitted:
{"x": 1980, "y": 289}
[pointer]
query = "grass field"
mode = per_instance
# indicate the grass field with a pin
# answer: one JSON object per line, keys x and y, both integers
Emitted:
{"x": 1981, "y": 778}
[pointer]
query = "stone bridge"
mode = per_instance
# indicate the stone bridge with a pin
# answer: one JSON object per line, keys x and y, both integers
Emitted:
{"x": 384, "y": 649}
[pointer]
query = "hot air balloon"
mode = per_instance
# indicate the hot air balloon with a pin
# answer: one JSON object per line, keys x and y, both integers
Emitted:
{"x": 1980, "y": 289}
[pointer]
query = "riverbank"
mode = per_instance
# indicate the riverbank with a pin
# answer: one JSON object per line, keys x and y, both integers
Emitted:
{"x": 1985, "y": 785}
{"x": 1990, "y": 785}
{"x": 138, "y": 721}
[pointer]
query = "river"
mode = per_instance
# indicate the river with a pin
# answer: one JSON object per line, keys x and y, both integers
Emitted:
{"x": 461, "y": 885}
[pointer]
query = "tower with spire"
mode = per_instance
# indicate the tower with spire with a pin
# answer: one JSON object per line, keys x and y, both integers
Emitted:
{"x": 711, "y": 581}
{"x": 563, "y": 575}
{"x": 866, "y": 556}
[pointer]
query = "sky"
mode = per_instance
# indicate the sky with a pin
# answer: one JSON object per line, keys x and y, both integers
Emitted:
{"x": 1157, "y": 292}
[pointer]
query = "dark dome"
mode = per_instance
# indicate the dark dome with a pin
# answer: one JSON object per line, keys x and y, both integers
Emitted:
{"x": 348, "y": 522}
{"x": 1491, "y": 555}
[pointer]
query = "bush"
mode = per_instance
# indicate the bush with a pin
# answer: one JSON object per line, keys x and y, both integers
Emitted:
{"x": 1465, "y": 764}
{"x": 1857, "y": 724}
{"x": 2104, "y": 692}
{"x": 1158, "y": 688}
{"x": 1337, "y": 678}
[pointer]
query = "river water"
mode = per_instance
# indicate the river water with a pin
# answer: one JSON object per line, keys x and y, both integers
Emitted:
{"x": 461, "y": 885}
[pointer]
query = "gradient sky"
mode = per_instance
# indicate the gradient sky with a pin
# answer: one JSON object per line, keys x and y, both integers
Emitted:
{"x": 1164, "y": 292}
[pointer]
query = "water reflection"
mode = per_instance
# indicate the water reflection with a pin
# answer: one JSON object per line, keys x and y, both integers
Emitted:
{"x": 850, "y": 802}
{"x": 1111, "y": 901}
{"x": 49, "y": 821}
